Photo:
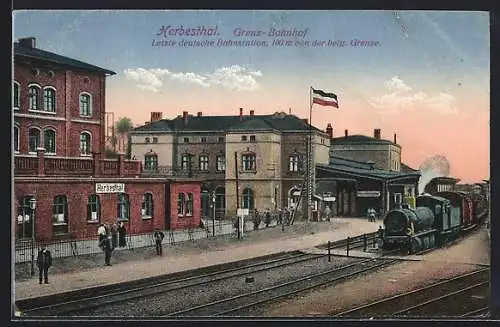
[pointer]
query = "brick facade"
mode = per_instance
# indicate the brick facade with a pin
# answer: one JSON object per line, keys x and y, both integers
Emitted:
{"x": 178, "y": 221}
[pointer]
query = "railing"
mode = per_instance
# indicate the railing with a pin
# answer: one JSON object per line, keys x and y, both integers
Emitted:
{"x": 73, "y": 248}
{"x": 91, "y": 166}
{"x": 174, "y": 171}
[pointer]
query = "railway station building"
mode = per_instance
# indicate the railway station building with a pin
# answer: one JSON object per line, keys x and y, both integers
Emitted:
{"x": 64, "y": 185}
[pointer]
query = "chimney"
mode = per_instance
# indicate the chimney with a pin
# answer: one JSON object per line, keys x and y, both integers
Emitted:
{"x": 346, "y": 132}
{"x": 185, "y": 117}
{"x": 29, "y": 42}
{"x": 241, "y": 114}
{"x": 395, "y": 139}
{"x": 376, "y": 133}
{"x": 156, "y": 115}
{"x": 329, "y": 130}
{"x": 252, "y": 112}
{"x": 200, "y": 114}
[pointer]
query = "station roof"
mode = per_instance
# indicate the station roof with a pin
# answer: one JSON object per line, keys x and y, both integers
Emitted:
{"x": 39, "y": 54}
{"x": 359, "y": 140}
{"x": 278, "y": 121}
{"x": 363, "y": 169}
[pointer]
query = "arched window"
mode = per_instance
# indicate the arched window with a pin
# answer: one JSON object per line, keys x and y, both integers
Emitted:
{"x": 94, "y": 208}
{"x": 151, "y": 161}
{"x": 85, "y": 144}
{"x": 15, "y": 96}
{"x": 189, "y": 205}
{"x": 49, "y": 99}
{"x": 147, "y": 206}
{"x": 34, "y": 139}
{"x": 248, "y": 201}
{"x": 85, "y": 105}
{"x": 34, "y": 96}
{"x": 220, "y": 198}
{"x": 60, "y": 215}
{"x": 16, "y": 138}
{"x": 49, "y": 138}
{"x": 123, "y": 207}
{"x": 180, "y": 204}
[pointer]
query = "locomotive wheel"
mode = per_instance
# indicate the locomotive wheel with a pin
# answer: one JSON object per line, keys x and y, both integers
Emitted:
{"x": 415, "y": 245}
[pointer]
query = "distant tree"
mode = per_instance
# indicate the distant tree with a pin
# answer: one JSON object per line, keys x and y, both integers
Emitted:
{"x": 123, "y": 126}
{"x": 129, "y": 147}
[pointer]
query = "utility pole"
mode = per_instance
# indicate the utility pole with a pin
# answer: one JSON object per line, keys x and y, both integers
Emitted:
{"x": 237, "y": 192}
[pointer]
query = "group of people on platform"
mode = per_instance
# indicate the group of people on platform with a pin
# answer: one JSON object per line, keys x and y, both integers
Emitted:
{"x": 111, "y": 237}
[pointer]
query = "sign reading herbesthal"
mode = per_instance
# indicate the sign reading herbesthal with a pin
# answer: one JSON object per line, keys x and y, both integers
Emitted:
{"x": 109, "y": 187}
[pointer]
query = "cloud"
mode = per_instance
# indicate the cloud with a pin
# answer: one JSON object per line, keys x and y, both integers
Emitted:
{"x": 399, "y": 98}
{"x": 231, "y": 77}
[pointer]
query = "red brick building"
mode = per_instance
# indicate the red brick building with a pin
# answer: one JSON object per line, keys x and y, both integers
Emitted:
{"x": 58, "y": 144}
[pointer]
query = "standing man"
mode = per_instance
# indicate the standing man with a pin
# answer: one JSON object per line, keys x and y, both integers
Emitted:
{"x": 44, "y": 261}
{"x": 158, "y": 236}
{"x": 107, "y": 248}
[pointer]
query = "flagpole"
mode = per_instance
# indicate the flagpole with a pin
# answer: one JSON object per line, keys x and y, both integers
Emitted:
{"x": 310, "y": 160}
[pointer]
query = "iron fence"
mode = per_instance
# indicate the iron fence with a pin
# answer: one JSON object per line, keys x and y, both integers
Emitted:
{"x": 69, "y": 248}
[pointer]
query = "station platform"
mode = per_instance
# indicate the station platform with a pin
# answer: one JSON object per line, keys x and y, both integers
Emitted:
{"x": 139, "y": 269}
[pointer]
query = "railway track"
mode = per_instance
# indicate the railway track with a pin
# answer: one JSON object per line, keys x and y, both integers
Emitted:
{"x": 465, "y": 295}
{"x": 240, "y": 304}
{"x": 75, "y": 304}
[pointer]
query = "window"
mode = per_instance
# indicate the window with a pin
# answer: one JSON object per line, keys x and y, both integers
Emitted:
{"x": 85, "y": 145}
{"x": 34, "y": 94}
{"x": 252, "y": 138}
{"x": 123, "y": 207}
{"x": 155, "y": 140}
{"x": 248, "y": 162}
{"x": 147, "y": 140}
{"x": 203, "y": 163}
{"x": 189, "y": 205}
{"x": 293, "y": 162}
{"x": 186, "y": 162}
{"x": 186, "y": 140}
{"x": 34, "y": 139}
{"x": 24, "y": 214}
{"x": 248, "y": 202}
{"x": 221, "y": 163}
{"x": 60, "y": 214}
{"x": 94, "y": 208}
{"x": 203, "y": 140}
{"x": 49, "y": 99}
{"x": 243, "y": 137}
{"x": 16, "y": 138}
{"x": 49, "y": 138}
{"x": 15, "y": 96}
{"x": 180, "y": 204}
{"x": 150, "y": 162}
{"x": 85, "y": 105}
{"x": 221, "y": 139}
{"x": 147, "y": 205}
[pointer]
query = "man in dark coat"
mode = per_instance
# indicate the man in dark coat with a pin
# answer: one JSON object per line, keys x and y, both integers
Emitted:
{"x": 107, "y": 248}
{"x": 121, "y": 235}
{"x": 158, "y": 236}
{"x": 43, "y": 262}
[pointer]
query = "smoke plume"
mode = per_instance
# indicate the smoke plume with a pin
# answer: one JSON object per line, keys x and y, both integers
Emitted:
{"x": 435, "y": 166}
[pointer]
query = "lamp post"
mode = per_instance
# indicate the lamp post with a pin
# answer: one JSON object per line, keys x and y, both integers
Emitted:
{"x": 213, "y": 219}
{"x": 32, "y": 207}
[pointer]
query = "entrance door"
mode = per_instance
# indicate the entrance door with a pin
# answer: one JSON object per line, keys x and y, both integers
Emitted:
{"x": 205, "y": 203}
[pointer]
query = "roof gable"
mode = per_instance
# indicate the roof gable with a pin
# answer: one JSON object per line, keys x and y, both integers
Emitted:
{"x": 39, "y": 54}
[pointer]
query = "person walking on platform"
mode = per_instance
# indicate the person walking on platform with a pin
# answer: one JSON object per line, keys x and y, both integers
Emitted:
{"x": 114, "y": 236}
{"x": 267, "y": 219}
{"x": 43, "y": 262}
{"x": 158, "y": 236}
{"x": 121, "y": 235}
{"x": 108, "y": 249}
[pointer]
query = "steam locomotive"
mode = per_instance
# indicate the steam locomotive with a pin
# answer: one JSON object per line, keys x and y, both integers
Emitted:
{"x": 436, "y": 220}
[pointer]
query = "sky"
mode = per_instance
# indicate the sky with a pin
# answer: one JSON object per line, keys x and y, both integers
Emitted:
{"x": 423, "y": 75}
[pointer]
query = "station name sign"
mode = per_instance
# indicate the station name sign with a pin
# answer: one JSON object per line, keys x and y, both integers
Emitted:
{"x": 368, "y": 194}
{"x": 110, "y": 188}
